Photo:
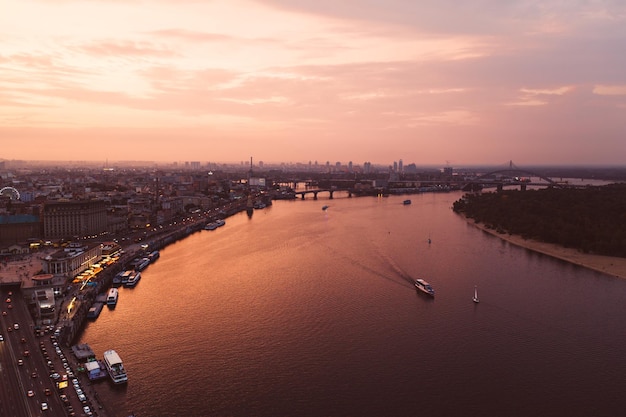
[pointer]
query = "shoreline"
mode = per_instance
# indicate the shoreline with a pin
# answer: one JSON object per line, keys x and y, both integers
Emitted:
{"x": 609, "y": 265}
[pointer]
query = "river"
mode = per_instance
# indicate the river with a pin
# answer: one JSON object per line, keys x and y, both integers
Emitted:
{"x": 297, "y": 311}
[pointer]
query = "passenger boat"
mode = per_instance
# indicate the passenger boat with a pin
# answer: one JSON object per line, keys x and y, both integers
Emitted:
{"x": 95, "y": 310}
{"x": 211, "y": 226}
{"x": 143, "y": 264}
{"x": 117, "y": 279}
{"x": 154, "y": 255}
{"x": 112, "y": 297}
{"x": 115, "y": 367}
{"x": 133, "y": 279}
{"x": 425, "y": 287}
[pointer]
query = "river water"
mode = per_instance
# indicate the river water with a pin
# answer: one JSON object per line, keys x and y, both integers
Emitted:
{"x": 297, "y": 311}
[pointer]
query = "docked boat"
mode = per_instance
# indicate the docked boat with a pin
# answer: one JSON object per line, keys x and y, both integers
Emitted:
{"x": 211, "y": 226}
{"x": 154, "y": 255}
{"x": 142, "y": 264}
{"x": 220, "y": 222}
{"x": 117, "y": 279}
{"x": 95, "y": 311}
{"x": 425, "y": 287}
{"x": 133, "y": 279}
{"x": 115, "y": 367}
{"x": 112, "y": 297}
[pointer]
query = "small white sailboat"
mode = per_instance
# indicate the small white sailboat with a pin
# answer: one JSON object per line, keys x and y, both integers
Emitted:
{"x": 475, "y": 299}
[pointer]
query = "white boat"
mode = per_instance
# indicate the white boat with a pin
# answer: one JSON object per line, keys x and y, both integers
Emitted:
{"x": 115, "y": 367}
{"x": 475, "y": 299}
{"x": 133, "y": 279}
{"x": 220, "y": 222}
{"x": 112, "y": 297}
{"x": 425, "y": 287}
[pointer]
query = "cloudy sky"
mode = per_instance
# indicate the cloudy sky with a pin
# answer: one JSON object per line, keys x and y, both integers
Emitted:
{"x": 432, "y": 82}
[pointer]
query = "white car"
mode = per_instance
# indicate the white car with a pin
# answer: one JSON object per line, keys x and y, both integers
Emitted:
{"x": 44, "y": 406}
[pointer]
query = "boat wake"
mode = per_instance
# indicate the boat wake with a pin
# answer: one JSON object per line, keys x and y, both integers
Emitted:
{"x": 398, "y": 271}
{"x": 372, "y": 271}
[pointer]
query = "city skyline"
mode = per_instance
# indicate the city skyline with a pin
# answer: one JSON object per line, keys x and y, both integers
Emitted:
{"x": 433, "y": 83}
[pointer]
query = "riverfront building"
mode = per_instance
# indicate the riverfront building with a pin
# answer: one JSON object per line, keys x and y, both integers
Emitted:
{"x": 18, "y": 229}
{"x": 72, "y": 260}
{"x": 66, "y": 219}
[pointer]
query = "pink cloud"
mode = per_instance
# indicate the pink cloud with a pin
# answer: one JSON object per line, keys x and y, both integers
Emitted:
{"x": 125, "y": 48}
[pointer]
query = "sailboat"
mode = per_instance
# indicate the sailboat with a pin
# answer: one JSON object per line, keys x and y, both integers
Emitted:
{"x": 475, "y": 299}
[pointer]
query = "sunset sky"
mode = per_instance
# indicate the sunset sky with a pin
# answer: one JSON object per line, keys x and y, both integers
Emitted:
{"x": 432, "y": 82}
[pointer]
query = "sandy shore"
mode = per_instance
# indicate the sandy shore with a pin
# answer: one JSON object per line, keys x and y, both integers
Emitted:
{"x": 606, "y": 264}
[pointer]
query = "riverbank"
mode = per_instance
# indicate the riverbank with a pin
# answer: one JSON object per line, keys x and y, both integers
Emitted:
{"x": 609, "y": 265}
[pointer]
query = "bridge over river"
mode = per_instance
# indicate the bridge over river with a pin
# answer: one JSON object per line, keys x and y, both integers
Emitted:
{"x": 509, "y": 176}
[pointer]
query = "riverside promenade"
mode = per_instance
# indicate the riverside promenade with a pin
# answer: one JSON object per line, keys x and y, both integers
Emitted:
{"x": 17, "y": 271}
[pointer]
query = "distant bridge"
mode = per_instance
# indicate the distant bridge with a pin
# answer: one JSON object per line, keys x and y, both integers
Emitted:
{"x": 506, "y": 176}
{"x": 316, "y": 191}
{"x": 510, "y": 177}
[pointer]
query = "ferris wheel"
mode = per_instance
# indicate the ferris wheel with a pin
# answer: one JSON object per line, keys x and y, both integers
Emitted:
{"x": 10, "y": 192}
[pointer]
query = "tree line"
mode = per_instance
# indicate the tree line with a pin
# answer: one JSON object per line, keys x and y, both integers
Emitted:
{"x": 591, "y": 219}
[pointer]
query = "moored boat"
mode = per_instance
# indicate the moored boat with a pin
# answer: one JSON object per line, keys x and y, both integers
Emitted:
{"x": 154, "y": 255}
{"x": 112, "y": 297}
{"x": 95, "y": 310}
{"x": 115, "y": 367}
{"x": 133, "y": 279}
{"x": 211, "y": 226}
{"x": 142, "y": 264}
{"x": 425, "y": 287}
{"x": 117, "y": 279}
